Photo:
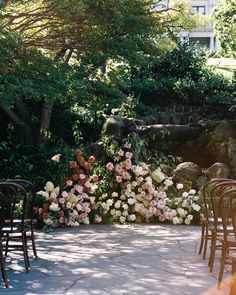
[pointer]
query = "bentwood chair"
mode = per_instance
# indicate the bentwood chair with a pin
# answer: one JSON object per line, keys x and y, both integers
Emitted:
{"x": 15, "y": 198}
{"x": 207, "y": 220}
{"x": 228, "y": 241}
{"x": 2, "y": 258}
{"x": 29, "y": 221}
{"x": 218, "y": 230}
{"x": 232, "y": 255}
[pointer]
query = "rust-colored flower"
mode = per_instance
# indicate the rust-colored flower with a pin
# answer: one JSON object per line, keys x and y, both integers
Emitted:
{"x": 45, "y": 215}
{"x": 91, "y": 159}
{"x": 75, "y": 177}
{"x": 78, "y": 152}
{"x": 72, "y": 164}
{"x": 53, "y": 200}
{"x": 61, "y": 213}
{"x": 45, "y": 206}
{"x": 87, "y": 165}
{"x": 95, "y": 178}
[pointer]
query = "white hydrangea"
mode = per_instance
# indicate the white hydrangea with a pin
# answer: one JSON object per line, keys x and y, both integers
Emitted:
{"x": 184, "y": 194}
{"x": 117, "y": 204}
{"x": 131, "y": 201}
{"x": 125, "y": 206}
{"x": 175, "y": 220}
{"x": 187, "y": 221}
{"x": 123, "y": 197}
{"x": 132, "y": 217}
{"x": 113, "y": 212}
{"x": 179, "y": 186}
{"x": 181, "y": 212}
{"x": 192, "y": 192}
{"x": 158, "y": 175}
{"x": 109, "y": 202}
{"x": 125, "y": 213}
{"x": 118, "y": 213}
{"x": 173, "y": 213}
{"x": 122, "y": 219}
{"x": 168, "y": 182}
{"x": 196, "y": 207}
{"x": 114, "y": 195}
{"x": 190, "y": 217}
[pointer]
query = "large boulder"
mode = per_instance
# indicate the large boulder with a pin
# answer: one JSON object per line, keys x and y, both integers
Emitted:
{"x": 114, "y": 126}
{"x": 187, "y": 171}
{"x": 224, "y": 131}
{"x": 218, "y": 170}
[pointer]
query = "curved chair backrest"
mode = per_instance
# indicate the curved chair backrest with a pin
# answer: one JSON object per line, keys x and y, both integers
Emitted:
{"x": 216, "y": 194}
{"x": 206, "y": 194}
{"x": 228, "y": 209}
{"x": 29, "y": 187}
{"x": 14, "y": 202}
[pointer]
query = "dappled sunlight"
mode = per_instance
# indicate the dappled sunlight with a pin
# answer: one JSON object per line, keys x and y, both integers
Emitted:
{"x": 111, "y": 259}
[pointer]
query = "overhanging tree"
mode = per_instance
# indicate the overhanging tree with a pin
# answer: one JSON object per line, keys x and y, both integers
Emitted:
{"x": 89, "y": 31}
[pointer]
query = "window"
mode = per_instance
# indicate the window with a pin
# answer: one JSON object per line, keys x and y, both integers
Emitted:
{"x": 198, "y": 9}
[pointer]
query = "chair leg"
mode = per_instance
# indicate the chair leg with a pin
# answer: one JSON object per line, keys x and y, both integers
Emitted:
{"x": 233, "y": 278}
{"x": 7, "y": 243}
{"x": 3, "y": 270}
{"x": 205, "y": 244}
{"x": 202, "y": 238}
{"x": 33, "y": 244}
{"x": 25, "y": 252}
{"x": 213, "y": 251}
{"x": 222, "y": 265}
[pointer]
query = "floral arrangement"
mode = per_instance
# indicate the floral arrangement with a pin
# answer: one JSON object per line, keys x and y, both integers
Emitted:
{"x": 126, "y": 192}
{"x": 141, "y": 194}
{"x": 70, "y": 205}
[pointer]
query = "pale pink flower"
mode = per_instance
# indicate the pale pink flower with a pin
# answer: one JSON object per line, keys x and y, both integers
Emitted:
{"x": 118, "y": 169}
{"x": 88, "y": 184}
{"x": 120, "y": 153}
{"x": 128, "y": 155}
{"x": 162, "y": 218}
{"x": 69, "y": 205}
{"x": 64, "y": 194}
{"x": 110, "y": 166}
{"x": 127, "y": 145}
{"x": 119, "y": 179}
{"x": 82, "y": 176}
{"x": 151, "y": 190}
{"x": 61, "y": 200}
{"x": 162, "y": 195}
{"x": 79, "y": 189}
{"x": 69, "y": 183}
{"x": 97, "y": 219}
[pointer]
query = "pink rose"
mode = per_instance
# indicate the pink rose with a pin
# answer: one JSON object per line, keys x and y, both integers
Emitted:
{"x": 61, "y": 200}
{"x": 69, "y": 183}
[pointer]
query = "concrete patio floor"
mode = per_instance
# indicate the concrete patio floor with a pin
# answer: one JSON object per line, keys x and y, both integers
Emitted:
{"x": 115, "y": 259}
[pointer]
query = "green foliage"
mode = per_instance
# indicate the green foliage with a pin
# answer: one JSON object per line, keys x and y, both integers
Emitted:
{"x": 33, "y": 162}
{"x": 181, "y": 76}
{"x": 225, "y": 26}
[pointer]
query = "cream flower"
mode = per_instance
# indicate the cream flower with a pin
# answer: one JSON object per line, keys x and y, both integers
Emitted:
{"x": 54, "y": 207}
{"x": 179, "y": 186}
{"x": 56, "y": 158}
{"x": 49, "y": 187}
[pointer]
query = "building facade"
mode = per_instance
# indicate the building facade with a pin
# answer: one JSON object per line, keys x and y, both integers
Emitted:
{"x": 203, "y": 36}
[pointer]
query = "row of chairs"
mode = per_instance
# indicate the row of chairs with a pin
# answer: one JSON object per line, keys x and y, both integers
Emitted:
{"x": 16, "y": 221}
{"x": 219, "y": 226}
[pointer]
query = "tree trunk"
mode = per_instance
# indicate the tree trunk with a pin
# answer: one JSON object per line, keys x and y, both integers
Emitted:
{"x": 45, "y": 120}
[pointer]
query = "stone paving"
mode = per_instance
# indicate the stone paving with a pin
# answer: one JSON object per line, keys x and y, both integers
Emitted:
{"x": 115, "y": 259}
